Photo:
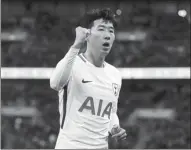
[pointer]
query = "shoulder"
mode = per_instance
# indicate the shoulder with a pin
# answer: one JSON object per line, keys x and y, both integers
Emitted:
{"x": 79, "y": 61}
{"x": 114, "y": 72}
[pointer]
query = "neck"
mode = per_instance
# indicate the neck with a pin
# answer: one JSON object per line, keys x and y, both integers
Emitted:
{"x": 98, "y": 60}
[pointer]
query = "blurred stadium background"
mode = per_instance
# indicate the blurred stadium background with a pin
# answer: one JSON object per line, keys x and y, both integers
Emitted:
{"x": 35, "y": 35}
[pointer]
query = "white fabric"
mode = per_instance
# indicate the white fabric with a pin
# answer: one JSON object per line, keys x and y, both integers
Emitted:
{"x": 87, "y": 127}
{"x": 62, "y": 72}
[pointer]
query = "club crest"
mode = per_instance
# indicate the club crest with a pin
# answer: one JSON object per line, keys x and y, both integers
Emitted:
{"x": 115, "y": 88}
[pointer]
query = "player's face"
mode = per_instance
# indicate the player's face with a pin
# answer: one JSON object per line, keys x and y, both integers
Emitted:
{"x": 101, "y": 36}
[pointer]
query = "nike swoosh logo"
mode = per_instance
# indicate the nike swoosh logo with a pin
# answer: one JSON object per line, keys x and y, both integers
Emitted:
{"x": 83, "y": 81}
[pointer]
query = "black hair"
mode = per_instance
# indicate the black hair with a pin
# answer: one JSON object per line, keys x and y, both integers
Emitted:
{"x": 106, "y": 14}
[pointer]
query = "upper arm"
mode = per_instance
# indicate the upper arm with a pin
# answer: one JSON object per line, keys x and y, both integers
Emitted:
{"x": 63, "y": 70}
{"x": 61, "y": 76}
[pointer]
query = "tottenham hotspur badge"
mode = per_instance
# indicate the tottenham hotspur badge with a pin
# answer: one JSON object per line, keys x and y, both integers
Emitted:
{"x": 115, "y": 89}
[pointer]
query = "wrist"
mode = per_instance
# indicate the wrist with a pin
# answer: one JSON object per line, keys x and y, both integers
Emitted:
{"x": 77, "y": 45}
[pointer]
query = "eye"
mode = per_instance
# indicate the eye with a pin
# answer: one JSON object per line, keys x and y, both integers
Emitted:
{"x": 100, "y": 29}
{"x": 111, "y": 31}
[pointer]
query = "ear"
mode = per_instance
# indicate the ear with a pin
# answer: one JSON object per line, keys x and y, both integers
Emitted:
{"x": 88, "y": 34}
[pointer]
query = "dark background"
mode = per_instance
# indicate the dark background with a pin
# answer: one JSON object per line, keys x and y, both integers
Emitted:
{"x": 49, "y": 28}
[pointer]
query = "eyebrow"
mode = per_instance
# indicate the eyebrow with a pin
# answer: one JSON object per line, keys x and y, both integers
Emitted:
{"x": 105, "y": 27}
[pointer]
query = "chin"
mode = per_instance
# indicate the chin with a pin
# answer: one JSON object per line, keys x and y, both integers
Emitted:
{"x": 104, "y": 52}
{"x": 106, "y": 49}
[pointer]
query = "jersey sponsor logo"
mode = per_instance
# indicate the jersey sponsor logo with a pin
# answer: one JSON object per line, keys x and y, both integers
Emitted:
{"x": 83, "y": 81}
{"x": 102, "y": 111}
{"x": 115, "y": 88}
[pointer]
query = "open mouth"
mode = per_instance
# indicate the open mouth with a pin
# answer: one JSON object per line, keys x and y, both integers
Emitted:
{"x": 106, "y": 44}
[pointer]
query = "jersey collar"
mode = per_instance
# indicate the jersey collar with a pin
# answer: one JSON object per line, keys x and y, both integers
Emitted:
{"x": 86, "y": 61}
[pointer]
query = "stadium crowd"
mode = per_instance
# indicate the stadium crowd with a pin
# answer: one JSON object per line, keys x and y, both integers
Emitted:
{"x": 49, "y": 38}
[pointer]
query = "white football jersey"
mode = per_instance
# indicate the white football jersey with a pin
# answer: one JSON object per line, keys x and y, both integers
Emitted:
{"x": 85, "y": 105}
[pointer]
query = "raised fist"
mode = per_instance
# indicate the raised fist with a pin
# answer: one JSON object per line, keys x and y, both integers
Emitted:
{"x": 81, "y": 36}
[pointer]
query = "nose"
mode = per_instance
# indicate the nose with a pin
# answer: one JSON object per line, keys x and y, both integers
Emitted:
{"x": 107, "y": 38}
